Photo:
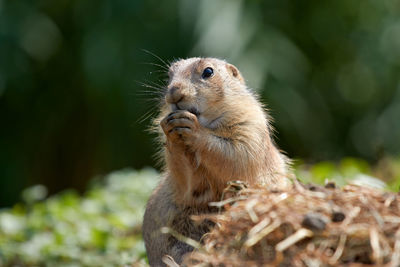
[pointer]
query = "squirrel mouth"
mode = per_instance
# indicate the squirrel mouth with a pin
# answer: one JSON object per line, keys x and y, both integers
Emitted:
{"x": 192, "y": 110}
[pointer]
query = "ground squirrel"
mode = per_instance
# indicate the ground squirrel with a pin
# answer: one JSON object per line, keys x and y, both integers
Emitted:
{"x": 215, "y": 130}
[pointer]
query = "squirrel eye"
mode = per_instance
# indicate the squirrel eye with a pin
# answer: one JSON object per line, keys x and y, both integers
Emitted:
{"x": 207, "y": 72}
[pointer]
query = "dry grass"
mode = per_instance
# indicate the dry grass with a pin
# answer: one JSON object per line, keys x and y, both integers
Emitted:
{"x": 305, "y": 226}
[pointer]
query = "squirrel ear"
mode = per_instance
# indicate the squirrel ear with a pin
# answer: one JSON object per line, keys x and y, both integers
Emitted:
{"x": 234, "y": 72}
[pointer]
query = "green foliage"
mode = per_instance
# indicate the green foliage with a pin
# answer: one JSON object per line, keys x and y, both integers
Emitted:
{"x": 351, "y": 170}
{"x": 101, "y": 228}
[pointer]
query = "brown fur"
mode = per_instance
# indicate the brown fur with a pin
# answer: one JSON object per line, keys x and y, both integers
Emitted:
{"x": 215, "y": 131}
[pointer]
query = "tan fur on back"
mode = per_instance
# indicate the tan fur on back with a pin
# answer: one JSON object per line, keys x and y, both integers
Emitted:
{"x": 215, "y": 130}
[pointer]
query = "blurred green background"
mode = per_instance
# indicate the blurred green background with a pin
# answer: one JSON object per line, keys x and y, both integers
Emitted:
{"x": 72, "y": 105}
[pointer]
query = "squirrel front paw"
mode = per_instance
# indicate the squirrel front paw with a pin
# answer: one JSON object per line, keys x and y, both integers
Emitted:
{"x": 180, "y": 125}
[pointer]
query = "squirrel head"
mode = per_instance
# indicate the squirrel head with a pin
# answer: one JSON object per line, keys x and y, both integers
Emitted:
{"x": 199, "y": 85}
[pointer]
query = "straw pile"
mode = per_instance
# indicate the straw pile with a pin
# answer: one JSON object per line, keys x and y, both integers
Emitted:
{"x": 305, "y": 226}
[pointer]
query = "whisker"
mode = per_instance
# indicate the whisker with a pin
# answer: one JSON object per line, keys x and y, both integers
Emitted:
{"x": 165, "y": 68}
{"x": 162, "y": 85}
{"x": 154, "y": 55}
{"x": 152, "y": 111}
{"x": 146, "y": 94}
{"x": 149, "y": 86}
{"x": 156, "y": 71}
{"x": 150, "y": 92}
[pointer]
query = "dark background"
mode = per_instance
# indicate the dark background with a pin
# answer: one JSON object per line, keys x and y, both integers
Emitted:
{"x": 72, "y": 105}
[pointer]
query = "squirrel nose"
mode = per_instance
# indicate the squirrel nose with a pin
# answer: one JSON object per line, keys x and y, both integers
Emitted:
{"x": 174, "y": 95}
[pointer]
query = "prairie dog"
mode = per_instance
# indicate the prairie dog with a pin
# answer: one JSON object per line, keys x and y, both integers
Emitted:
{"x": 215, "y": 130}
